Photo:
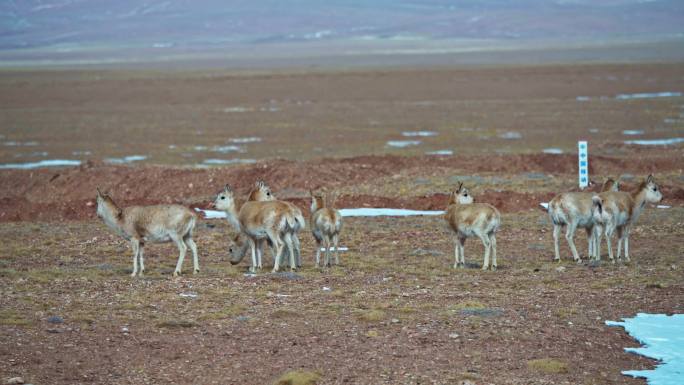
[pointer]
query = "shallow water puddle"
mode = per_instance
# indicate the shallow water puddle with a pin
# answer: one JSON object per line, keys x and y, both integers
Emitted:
{"x": 553, "y": 151}
{"x": 648, "y": 95}
{"x": 440, "y": 152}
{"x": 250, "y": 139}
{"x": 663, "y": 340}
{"x": 403, "y": 143}
{"x": 126, "y": 159}
{"x": 228, "y": 161}
{"x": 655, "y": 142}
{"x": 419, "y": 133}
{"x": 632, "y": 132}
{"x": 42, "y": 163}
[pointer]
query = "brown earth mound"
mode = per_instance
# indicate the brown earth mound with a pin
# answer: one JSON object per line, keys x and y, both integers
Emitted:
{"x": 49, "y": 194}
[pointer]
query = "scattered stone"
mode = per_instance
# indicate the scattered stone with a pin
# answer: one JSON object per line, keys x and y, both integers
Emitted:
{"x": 560, "y": 269}
{"x": 242, "y": 318}
{"x": 422, "y": 252}
{"x": 55, "y": 319}
{"x": 55, "y": 331}
{"x": 535, "y": 175}
{"x": 536, "y": 246}
{"x": 395, "y": 320}
{"x": 15, "y": 381}
{"x": 486, "y": 312}
{"x": 453, "y": 335}
{"x": 325, "y": 288}
{"x": 467, "y": 382}
{"x": 124, "y": 330}
{"x": 188, "y": 295}
{"x": 288, "y": 275}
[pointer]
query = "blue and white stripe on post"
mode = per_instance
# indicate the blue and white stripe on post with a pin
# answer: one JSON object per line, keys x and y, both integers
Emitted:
{"x": 583, "y": 158}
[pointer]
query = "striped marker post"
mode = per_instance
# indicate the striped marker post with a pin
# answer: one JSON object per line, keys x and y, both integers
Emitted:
{"x": 583, "y": 159}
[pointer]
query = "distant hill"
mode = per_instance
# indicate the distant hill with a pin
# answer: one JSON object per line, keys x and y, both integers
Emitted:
{"x": 163, "y": 23}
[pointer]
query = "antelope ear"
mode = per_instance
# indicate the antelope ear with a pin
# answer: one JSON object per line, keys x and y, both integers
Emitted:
{"x": 226, "y": 188}
{"x": 460, "y": 186}
{"x": 99, "y": 193}
{"x": 649, "y": 179}
{"x": 260, "y": 183}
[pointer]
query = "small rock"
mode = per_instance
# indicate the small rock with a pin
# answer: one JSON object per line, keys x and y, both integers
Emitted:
{"x": 55, "y": 319}
{"x": 124, "y": 330}
{"x": 536, "y": 246}
{"x": 242, "y": 318}
{"x": 453, "y": 335}
{"x": 467, "y": 382}
{"x": 15, "y": 381}
{"x": 395, "y": 320}
{"x": 325, "y": 288}
{"x": 90, "y": 204}
{"x": 560, "y": 269}
{"x": 288, "y": 275}
{"x": 55, "y": 331}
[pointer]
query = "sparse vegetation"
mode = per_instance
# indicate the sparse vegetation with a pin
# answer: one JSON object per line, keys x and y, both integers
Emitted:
{"x": 298, "y": 377}
{"x": 548, "y": 365}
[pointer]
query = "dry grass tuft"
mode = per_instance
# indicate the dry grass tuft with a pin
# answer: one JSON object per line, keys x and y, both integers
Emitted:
{"x": 298, "y": 377}
{"x": 548, "y": 365}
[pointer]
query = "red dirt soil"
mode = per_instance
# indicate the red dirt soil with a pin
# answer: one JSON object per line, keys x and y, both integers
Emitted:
{"x": 58, "y": 194}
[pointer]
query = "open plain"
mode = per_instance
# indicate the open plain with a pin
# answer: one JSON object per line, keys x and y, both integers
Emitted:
{"x": 394, "y": 311}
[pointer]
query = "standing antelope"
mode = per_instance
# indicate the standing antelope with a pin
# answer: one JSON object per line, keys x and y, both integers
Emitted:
{"x": 573, "y": 209}
{"x": 326, "y": 224}
{"x": 261, "y": 193}
{"x": 619, "y": 210}
{"x": 468, "y": 219}
{"x": 156, "y": 224}
{"x": 270, "y": 220}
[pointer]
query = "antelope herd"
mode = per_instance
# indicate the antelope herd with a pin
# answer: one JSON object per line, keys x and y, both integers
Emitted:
{"x": 263, "y": 219}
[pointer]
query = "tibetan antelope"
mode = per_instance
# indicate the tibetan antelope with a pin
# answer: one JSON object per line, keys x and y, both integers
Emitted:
{"x": 270, "y": 220}
{"x": 468, "y": 219}
{"x": 573, "y": 210}
{"x": 326, "y": 224}
{"x": 154, "y": 224}
{"x": 261, "y": 193}
{"x": 617, "y": 211}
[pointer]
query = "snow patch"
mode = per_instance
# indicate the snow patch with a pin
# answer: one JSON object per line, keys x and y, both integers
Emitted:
{"x": 655, "y": 142}
{"x": 419, "y": 133}
{"x": 126, "y": 159}
{"x": 42, "y": 163}
{"x": 552, "y": 150}
{"x": 403, "y": 143}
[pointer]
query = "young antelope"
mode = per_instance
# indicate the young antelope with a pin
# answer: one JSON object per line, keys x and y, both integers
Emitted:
{"x": 468, "y": 219}
{"x": 617, "y": 211}
{"x": 326, "y": 224}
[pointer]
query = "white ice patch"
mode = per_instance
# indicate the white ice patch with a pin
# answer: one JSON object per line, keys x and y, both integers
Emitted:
{"x": 212, "y": 214}
{"x": 655, "y": 142}
{"x": 510, "y": 135}
{"x": 341, "y": 248}
{"x": 663, "y": 340}
{"x": 403, "y": 143}
{"x": 419, "y": 133}
{"x": 18, "y": 144}
{"x": 632, "y": 132}
{"x": 126, "y": 159}
{"x": 379, "y": 212}
{"x": 648, "y": 95}
{"x": 359, "y": 212}
{"x": 552, "y": 150}
{"x": 237, "y": 109}
{"x": 42, "y": 163}
{"x": 440, "y": 152}
{"x": 228, "y": 161}
{"x": 251, "y": 139}
{"x": 226, "y": 149}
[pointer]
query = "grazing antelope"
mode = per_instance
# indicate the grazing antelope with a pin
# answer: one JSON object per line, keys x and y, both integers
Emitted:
{"x": 270, "y": 220}
{"x": 468, "y": 219}
{"x": 326, "y": 224}
{"x": 617, "y": 211}
{"x": 155, "y": 224}
{"x": 262, "y": 192}
{"x": 574, "y": 210}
